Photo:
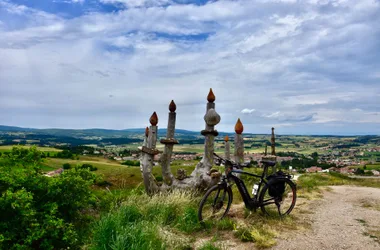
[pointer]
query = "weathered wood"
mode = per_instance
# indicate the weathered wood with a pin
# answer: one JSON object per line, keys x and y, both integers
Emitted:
{"x": 151, "y": 151}
{"x": 201, "y": 172}
{"x": 147, "y": 160}
{"x": 201, "y": 177}
{"x": 144, "y": 145}
{"x": 169, "y": 144}
{"x": 239, "y": 148}
{"x": 227, "y": 150}
{"x": 239, "y": 142}
{"x": 273, "y": 143}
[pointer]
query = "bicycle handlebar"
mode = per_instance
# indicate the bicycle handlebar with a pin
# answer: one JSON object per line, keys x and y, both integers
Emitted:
{"x": 233, "y": 164}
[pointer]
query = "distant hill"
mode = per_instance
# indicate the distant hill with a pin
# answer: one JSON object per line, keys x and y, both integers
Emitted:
{"x": 10, "y": 135}
{"x": 91, "y": 131}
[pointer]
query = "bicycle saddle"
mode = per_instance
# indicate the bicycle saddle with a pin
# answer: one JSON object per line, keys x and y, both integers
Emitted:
{"x": 268, "y": 163}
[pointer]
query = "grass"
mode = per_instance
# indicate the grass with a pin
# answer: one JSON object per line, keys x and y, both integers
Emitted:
{"x": 312, "y": 182}
{"x": 137, "y": 221}
{"x": 263, "y": 231}
{"x": 373, "y": 167}
{"x": 143, "y": 222}
{"x": 120, "y": 176}
{"x": 209, "y": 245}
{"x": 371, "y": 204}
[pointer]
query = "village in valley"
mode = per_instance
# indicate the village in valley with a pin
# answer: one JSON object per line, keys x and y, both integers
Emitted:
{"x": 353, "y": 155}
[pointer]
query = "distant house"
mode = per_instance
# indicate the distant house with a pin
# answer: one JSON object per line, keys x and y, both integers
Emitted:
{"x": 345, "y": 170}
{"x": 313, "y": 169}
{"x": 54, "y": 172}
{"x": 333, "y": 169}
{"x": 375, "y": 172}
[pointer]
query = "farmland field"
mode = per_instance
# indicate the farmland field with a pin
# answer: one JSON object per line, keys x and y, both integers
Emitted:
{"x": 43, "y": 149}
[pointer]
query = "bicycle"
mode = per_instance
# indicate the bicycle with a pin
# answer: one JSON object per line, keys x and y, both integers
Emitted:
{"x": 274, "y": 194}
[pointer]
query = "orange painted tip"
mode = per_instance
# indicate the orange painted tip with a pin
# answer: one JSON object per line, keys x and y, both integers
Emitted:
{"x": 239, "y": 127}
{"x": 146, "y": 131}
{"x": 172, "y": 106}
{"x": 211, "y": 96}
{"x": 153, "y": 119}
{"x": 226, "y": 139}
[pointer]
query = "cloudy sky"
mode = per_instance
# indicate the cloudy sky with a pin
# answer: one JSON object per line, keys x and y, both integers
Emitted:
{"x": 304, "y": 67}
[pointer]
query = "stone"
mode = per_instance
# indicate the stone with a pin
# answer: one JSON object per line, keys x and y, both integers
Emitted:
{"x": 212, "y": 117}
{"x": 181, "y": 174}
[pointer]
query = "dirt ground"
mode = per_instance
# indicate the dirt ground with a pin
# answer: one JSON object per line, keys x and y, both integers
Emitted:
{"x": 347, "y": 217}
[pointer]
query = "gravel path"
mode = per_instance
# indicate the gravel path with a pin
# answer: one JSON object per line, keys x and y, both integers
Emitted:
{"x": 347, "y": 217}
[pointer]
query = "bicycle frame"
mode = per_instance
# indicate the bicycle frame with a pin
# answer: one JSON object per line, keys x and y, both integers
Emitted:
{"x": 250, "y": 202}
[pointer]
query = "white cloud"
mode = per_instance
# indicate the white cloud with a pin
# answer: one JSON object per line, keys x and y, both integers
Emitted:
{"x": 138, "y": 3}
{"x": 247, "y": 111}
{"x": 299, "y": 65}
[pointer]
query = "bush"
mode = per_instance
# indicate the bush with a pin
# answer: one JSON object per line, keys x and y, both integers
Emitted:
{"x": 65, "y": 154}
{"x": 41, "y": 212}
{"x": 66, "y": 166}
{"x": 21, "y": 156}
{"x": 87, "y": 166}
{"x": 131, "y": 163}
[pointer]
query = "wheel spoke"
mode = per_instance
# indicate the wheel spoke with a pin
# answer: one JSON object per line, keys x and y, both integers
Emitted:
{"x": 215, "y": 204}
{"x": 281, "y": 204}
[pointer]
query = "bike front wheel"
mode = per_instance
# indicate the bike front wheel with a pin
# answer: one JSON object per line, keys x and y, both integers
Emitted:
{"x": 215, "y": 204}
{"x": 278, "y": 203}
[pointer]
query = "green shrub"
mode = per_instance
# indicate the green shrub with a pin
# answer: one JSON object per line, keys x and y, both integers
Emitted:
{"x": 37, "y": 211}
{"x": 209, "y": 246}
{"x": 66, "y": 166}
{"x": 87, "y": 166}
{"x": 131, "y": 163}
{"x": 20, "y": 156}
{"x": 225, "y": 224}
{"x": 159, "y": 178}
{"x": 65, "y": 154}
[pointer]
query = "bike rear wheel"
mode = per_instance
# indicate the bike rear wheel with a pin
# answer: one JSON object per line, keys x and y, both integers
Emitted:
{"x": 215, "y": 204}
{"x": 278, "y": 205}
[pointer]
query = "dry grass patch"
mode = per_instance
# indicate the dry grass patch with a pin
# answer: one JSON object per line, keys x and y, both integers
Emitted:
{"x": 371, "y": 204}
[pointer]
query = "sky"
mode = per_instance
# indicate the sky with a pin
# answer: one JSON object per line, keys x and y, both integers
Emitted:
{"x": 303, "y": 67}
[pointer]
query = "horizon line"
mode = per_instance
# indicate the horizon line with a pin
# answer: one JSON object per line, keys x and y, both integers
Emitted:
{"x": 290, "y": 134}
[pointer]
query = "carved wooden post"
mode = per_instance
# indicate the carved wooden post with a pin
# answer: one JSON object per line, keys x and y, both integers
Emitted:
{"x": 273, "y": 145}
{"x": 272, "y": 157}
{"x": 239, "y": 142}
{"x": 149, "y": 151}
{"x": 273, "y": 142}
{"x": 211, "y": 118}
{"x": 144, "y": 145}
{"x": 226, "y": 147}
{"x": 169, "y": 143}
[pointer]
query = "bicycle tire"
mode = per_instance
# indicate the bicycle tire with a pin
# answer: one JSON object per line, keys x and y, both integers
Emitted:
{"x": 280, "y": 205}
{"x": 213, "y": 201}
